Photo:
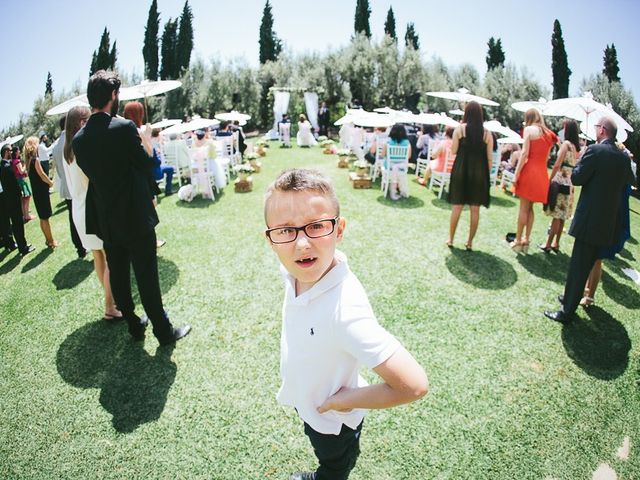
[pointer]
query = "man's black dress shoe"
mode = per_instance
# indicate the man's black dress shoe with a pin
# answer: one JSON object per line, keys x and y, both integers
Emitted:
{"x": 26, "y": 250}
{"x": 178, "y": 333}
{"x": 139, "y": 336}
{"x": 558, "y": 316}
{"x": 10, "y": 247}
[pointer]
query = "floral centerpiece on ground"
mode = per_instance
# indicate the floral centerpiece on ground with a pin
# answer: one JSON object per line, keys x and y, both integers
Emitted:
{"x": 261, "y": 147}
{"x": 362, "y": 167}
{"x": 243, "y": 170}
{"x": 321, "y": 139}
{"x": 328, "y": 146}
{"x": 252, "y": 158}
{"x": 343, "y": 157}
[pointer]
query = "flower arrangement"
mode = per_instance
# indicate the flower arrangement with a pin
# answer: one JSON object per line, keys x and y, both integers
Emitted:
{"x": 362, "y": 167}
{"x": 243, "y": 168}
{"x": 322, "y": 138}
{"x": 344, "y": 152}
{"x": 328, "y": 147}
{"x": 262, "y": 143}
{"x": 252, "y": 156}
{"x": 326, "y": 142}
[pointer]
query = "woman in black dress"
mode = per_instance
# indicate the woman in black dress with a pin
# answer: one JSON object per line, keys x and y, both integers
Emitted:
{"x": 469, "y": 184}
{"x": 40, "y": 185}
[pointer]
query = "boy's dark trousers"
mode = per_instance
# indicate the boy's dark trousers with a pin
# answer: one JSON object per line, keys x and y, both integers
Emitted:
{"x": 337, "y": 454}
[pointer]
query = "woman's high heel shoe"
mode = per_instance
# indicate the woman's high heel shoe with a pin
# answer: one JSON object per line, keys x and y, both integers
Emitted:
{"x": 517, "y": 247}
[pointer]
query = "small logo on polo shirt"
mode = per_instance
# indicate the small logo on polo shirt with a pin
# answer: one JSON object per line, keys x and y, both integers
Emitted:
{"x": 311, "y": 332}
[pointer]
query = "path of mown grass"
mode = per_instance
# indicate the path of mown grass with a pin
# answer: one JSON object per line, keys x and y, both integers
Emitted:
{"x": 512, "y": 395}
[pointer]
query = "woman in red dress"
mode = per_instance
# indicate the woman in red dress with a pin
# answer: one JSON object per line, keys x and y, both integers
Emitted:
{"x": 531, "y": 177}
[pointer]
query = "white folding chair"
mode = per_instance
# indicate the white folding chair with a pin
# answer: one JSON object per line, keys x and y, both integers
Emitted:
{"x": 423, "y": 163}
{"x": 284, "y": 129}
{"x": 201, "y": 177}
{"x": 236, "y": 155}
{"x": 394, "y": 169}
{"x": 495, "y": 164}
{"x": 376, "y": 168}
{"x": 441, "y": 179}
{"x": 176, "y": 154}
{"x": 507, "y": 180}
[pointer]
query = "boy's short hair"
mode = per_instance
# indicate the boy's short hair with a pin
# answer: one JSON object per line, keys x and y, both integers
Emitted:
{"x": 302, "y": 180}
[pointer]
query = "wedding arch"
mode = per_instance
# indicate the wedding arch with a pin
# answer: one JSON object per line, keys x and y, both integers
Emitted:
{"x": 281, "y": 97}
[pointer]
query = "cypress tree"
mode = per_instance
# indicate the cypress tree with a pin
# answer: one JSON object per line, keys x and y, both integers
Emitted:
{"x": 184, "y": 45}
{"x": 611, "y": 68}
{"x": 105, "y": 57}
{"x": 559, "y": 64}
{"x": 48, "y": 89}
{"x": 411, "y": 37}
{"x": 168, "y": 68}
{"x": 270, "y": 45}
{"x": 495, "y": 54}
{"x": 361, "y": 21}
{"x": 150, "y": 47}
{"x": 390, "y": 24}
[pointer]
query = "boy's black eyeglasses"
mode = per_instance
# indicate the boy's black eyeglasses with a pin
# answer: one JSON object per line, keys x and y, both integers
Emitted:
{"x": 317, "y": 229}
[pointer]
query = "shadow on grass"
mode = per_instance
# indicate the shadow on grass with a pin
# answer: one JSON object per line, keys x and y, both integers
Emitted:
{"x": 168, "y": 274}
{"x": 133, "y": 384}
{"x": 632, "y": 241}
{"x": 10, "y": 264}
{"x": 481, "y": 270}
{"x": 403, "y": 203}
{"x": 627, "y": 255}
{"x": 72, "y": 274}
{"x": 501, "y": 201}
{"x": 620, "y": 293}
{"x": 37, "y": 260}
{"x": 441, "y": 203}
{"x": 550, "y": 266}
{"x": 197, "y": 202}
{"x": 599, "y": 346}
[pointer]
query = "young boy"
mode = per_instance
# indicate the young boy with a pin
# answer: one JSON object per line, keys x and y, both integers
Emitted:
{"x": 328, "y": 327}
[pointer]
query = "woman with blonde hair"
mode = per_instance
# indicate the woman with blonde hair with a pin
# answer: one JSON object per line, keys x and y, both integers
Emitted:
{"x": 78, "y": 184}
{"x": 531, "y": 180}
{"x": 40, "y": 185}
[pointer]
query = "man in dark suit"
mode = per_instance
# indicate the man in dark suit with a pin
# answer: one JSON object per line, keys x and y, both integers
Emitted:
{"x": 11, "y": 219}
{"x": 323, "y": 119}
{"x": 119, "y": 207}
{"x": 603, "y": 171}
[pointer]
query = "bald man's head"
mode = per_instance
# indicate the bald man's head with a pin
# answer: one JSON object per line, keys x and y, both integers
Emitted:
{"x": 610, "y": 126}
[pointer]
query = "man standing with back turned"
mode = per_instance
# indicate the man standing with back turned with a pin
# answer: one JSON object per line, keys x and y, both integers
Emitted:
{"x": 603, "y": 171}
{"x": 119, "y": 207}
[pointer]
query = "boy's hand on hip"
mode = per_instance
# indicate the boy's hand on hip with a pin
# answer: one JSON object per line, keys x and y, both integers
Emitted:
{"x": 335, "y": 402}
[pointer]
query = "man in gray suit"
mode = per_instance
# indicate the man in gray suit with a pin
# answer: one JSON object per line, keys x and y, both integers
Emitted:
{"x": 603, "y": 172}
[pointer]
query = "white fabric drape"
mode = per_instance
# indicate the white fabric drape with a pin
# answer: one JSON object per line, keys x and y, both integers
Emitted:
{"x": 311, "y": 104}
{"x": 280, "y": 107}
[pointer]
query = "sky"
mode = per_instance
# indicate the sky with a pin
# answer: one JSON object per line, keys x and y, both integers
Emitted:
{"x": 41, "y": 36}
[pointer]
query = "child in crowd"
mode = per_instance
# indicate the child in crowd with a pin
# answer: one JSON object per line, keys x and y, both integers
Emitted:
{"x": 21, "y": 177}
{"x": 328, "y": 327}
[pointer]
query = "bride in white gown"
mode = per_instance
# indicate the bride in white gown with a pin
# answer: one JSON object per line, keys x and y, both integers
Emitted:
{"x": 304, "y": 137}
{"x": 78, "y": 184}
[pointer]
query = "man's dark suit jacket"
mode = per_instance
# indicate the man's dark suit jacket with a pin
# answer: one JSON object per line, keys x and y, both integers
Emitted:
{"x": 119, "y": 206}
{"x": 603, "y": 171}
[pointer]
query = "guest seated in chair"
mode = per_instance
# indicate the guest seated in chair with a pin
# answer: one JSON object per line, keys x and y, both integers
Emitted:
{"x": 397, "y": 166}
{"x": 439, "y": 156}
{"x": 160, "y": 170}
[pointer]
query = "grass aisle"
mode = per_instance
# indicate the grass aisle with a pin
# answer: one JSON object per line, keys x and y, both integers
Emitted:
{"x": 512, "y": 395}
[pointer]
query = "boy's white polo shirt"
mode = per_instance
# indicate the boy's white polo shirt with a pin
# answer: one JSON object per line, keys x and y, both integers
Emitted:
{"x": 327, "y": 333}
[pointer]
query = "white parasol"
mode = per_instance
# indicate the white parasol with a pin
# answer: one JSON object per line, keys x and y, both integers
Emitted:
{"x": 463, "y": 95}
{"x": 374, "y": 120}
{"x": 349, "y": 116}
{"x": 583, "y": 109}
{"x": 164, "y": 123}
{"x": 497, "y": 127}
{"x": 148, "y": 88}
{"x": 64, "y": 107}
{"x": 436, "y": 119}
{"x": 539, "y": 105}
{"x": 456, "y": 111}
{"x": 233, "y": 116}
{"x": 594, "y": 118}
{"x": 504, "y": 140}
{"x": 384, "y": 110}
{"x": 196, "y": 124}
{"x": 11, "y": 140}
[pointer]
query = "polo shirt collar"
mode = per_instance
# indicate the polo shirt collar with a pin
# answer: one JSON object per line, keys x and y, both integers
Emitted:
{"x": 333, "y": 277}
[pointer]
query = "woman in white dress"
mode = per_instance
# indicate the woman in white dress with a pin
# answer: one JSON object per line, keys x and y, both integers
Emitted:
{"x": 78, "y": 184}
{"x": 304, "y": 137}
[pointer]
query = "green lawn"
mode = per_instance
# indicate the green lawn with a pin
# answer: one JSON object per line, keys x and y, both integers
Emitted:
{"x": 512, "y": 395}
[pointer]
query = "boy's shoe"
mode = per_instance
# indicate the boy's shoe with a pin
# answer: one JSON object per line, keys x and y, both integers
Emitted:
{"x": 303, "y": 476}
